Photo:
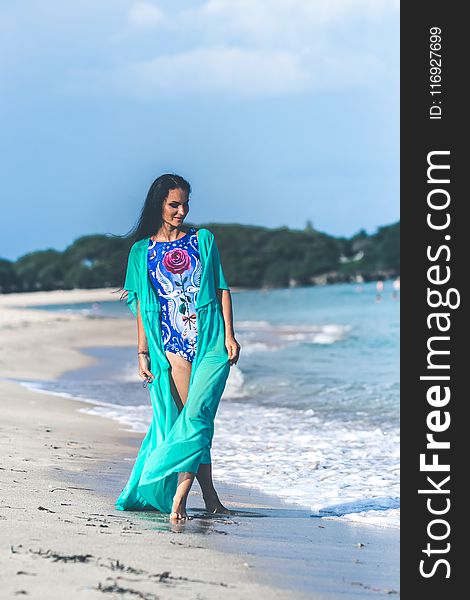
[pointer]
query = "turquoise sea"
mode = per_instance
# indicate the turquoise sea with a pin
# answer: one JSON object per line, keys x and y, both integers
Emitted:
{"x": 310, "y": 413}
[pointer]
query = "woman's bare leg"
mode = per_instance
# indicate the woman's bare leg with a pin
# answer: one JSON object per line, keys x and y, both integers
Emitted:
{"x": 179, "y": 382}
{"x": 211, "y": 499}
{"x": 180, "y": 373}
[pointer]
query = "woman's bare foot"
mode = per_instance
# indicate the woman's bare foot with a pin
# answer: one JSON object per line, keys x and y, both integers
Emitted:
{"x": 214, "y": 505}
{"x": 178, "y": 510}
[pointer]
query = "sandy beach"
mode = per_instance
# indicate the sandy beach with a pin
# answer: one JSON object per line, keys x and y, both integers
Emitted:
{"x": 62, "y": 469}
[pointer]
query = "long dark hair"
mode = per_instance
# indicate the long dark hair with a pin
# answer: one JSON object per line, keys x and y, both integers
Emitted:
{"x": 150, "y": 219}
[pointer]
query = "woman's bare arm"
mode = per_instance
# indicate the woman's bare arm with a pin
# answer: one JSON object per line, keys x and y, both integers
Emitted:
{"x": 233, "y": 347}
{"x": 142, "y": 343}
{"x": 225, "y": 300}
{"x": 142, "y": 346}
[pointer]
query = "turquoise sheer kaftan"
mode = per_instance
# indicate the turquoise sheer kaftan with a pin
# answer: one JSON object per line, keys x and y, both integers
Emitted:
{"x": 176, "y": 441}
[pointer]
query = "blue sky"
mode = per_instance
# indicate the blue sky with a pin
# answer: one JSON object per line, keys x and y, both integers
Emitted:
{"x": 276, "y": 111}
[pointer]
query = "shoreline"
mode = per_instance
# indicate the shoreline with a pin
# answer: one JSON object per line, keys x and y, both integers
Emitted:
{"x": 59, "y": 527}
{"x": 58, "y": 445}
{"x": 77, "y": 295}
{"x": 22, "y": 300}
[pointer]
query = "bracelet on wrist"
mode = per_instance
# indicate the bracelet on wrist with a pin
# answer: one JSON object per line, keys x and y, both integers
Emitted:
{"x": 143, "y": 352}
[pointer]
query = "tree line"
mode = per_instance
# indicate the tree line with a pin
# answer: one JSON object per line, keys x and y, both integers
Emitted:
{"x": 252, "y": 257}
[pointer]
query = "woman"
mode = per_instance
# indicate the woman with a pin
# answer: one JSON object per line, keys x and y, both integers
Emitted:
{"x": 186, "y": 344}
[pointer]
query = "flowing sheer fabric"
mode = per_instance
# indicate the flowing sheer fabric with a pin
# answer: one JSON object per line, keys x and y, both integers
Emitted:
{"x": 176, "y": 441}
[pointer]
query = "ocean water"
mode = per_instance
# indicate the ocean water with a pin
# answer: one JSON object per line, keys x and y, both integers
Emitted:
{"x": 310, "y": 413}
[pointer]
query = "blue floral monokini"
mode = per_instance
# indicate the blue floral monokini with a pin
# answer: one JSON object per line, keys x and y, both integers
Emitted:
{"x": 175, "y": 270}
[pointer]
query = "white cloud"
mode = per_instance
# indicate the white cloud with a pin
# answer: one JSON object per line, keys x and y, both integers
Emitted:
{"x": 242, "y": 47}
{"x": 241, "y": 72}
{"x": 286, "y": 20}
{"x": 146, "y": 14}
{"x": 236, "y": 70}
{"x": 261, "y": 47}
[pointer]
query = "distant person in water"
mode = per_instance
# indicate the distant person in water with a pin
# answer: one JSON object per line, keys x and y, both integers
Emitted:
{"x": 96, "y": 309}
{"x": 396, "y": 288}
{"x": 177, "y": 290}
{"x": 379, "y": 286}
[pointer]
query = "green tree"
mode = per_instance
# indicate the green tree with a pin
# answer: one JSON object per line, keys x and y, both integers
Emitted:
{"x": 9, "y": 281}
{"x": 42, "y": 270}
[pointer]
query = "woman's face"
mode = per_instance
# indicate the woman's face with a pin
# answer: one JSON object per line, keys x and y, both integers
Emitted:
{"x": 175, "y": 208}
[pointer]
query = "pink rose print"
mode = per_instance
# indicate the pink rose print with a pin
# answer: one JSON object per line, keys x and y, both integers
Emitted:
{"x": 177, "y": 261}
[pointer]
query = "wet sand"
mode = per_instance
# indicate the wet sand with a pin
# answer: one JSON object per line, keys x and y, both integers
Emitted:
{"x": 62, "y": 470}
